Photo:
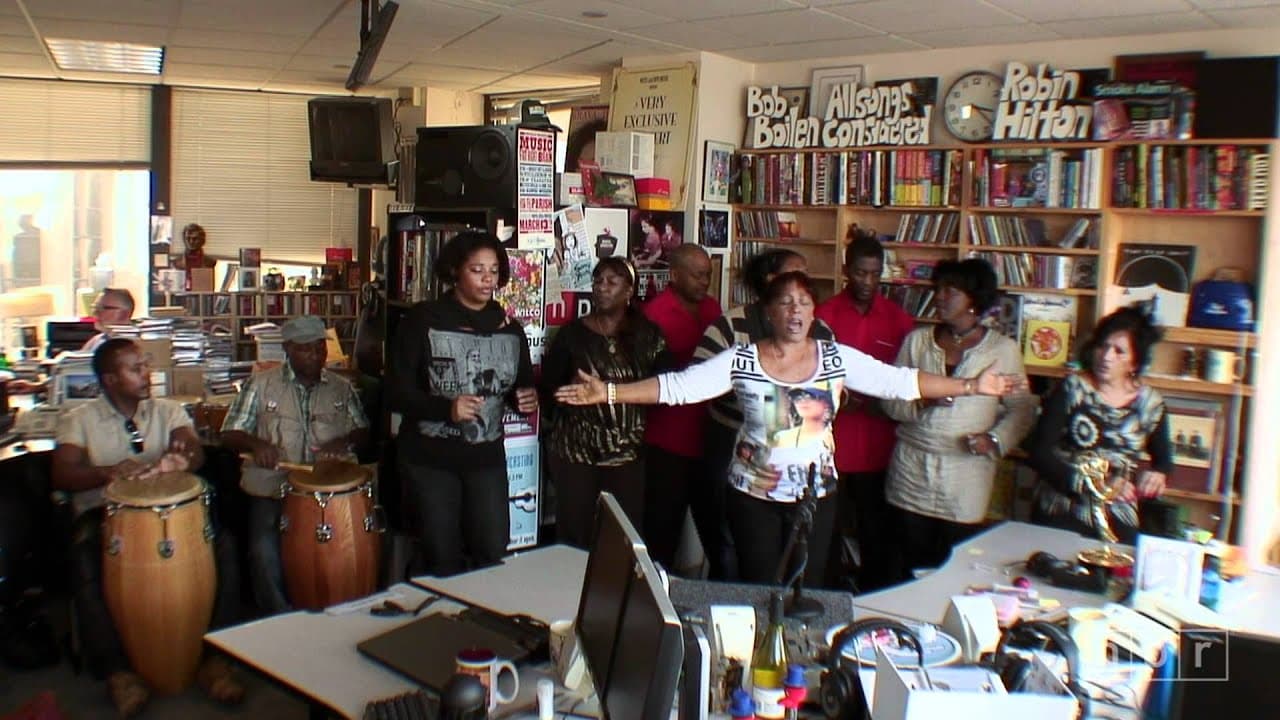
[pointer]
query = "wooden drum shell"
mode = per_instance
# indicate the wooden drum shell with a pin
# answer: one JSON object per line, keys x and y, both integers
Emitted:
{"x": 318, "y": 573}
{"x": 161, "y": 605}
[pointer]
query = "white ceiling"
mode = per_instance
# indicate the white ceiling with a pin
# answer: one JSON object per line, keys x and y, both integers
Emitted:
{"x": 513, "y": 45}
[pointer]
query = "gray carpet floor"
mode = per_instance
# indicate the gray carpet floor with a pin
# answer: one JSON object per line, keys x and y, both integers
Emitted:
{"x": 80, "y": 697}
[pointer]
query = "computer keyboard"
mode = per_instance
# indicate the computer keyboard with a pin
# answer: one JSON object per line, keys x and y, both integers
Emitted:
{"x": 409, "y": 706}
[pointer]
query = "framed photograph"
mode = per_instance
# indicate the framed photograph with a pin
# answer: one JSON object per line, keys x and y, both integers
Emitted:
{"x": 612, "y": 189}
{"x": 76, "y": 386}
{"x": 714, "y": 227}
{"x": 717, "y": 163}
{"x": 824, "y": 79}
{"x": 1196, "y": 433}
{"x": 796, "y": 97}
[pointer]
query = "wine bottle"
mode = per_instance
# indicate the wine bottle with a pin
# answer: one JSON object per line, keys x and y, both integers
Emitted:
{"x": 769, "y": 666}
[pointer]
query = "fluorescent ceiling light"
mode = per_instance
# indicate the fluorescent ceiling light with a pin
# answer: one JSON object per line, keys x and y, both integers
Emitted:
{"x": 97, "y": 56}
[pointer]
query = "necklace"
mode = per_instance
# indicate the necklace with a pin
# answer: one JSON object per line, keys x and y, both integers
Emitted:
{"x": 960, "y": 336}
{"x": 598, "y": 327}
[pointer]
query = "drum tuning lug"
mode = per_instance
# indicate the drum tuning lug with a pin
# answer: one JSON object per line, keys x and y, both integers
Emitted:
{"x": 208, "y": 532}
{"x": 376, "y": 521}
{"x": 165, "y": 548}
{"x": 115, "y": 545}
{"x": 284, "y": 523}
{"x": 112, "y": 508}
{"x": 324, "y": 532}
{"x": 285, "y": 488}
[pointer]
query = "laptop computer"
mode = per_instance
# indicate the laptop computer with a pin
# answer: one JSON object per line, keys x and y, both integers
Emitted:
{"x": 424, "y": 650}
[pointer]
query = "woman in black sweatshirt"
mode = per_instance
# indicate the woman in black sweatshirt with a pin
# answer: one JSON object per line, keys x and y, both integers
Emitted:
{"x": 457, "y": 363}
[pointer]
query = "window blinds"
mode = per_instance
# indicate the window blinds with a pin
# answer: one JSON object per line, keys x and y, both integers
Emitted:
{"x": 240, "y": 170}
{"x": 57, "y": 121}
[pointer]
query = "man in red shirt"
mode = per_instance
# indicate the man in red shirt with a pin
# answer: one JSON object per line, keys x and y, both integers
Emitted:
{"x": 864, "y": 319}
{"x": 673, "y": 435}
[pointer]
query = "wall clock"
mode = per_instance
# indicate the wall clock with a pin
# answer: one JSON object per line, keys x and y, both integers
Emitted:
{"x": 970, "y": 105}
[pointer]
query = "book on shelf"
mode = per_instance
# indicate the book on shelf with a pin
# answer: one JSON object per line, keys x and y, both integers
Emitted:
{"x": 906, "y": 177}
{"x": 1005, "y": 316}
{"x": 1038, "y": 177}
{"x": 1190, "y": 177}
{"x": 1197, "y": 432}
{"x": 1047, "y": 343}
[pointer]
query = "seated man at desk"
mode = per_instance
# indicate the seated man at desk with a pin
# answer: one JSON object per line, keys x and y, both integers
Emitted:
{"x": 298, "y": 412}
{"x": 122, "y": 433}
{"x": 114, "y": 306}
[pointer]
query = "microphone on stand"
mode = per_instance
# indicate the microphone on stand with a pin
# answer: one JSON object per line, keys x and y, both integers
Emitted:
{"x": 798, "y": 606}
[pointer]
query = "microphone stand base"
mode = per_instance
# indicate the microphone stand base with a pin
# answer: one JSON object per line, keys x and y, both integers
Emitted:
{"x": 805, "y": 609}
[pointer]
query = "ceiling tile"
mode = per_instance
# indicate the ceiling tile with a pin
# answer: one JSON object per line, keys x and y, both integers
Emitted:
{"x": 86, "y": 30}
{"x": 1247, "y": 17}
{"x": 908, "y": 16}
{"x": 702, "y": 9}
{"x": 220, "y": 40}
{"x": 317, "y": 82}
{"x": 415, "y": 19}
{"x": 288, "y": 17}
{"x": 823, "y": 49}
{"x": 526, "y": 81}
{"x": 791, "y": 25}
{"x": 619, "y": 17}
{"x": 600, "y": 58}
{"x": 1233, "y": 4}
{"x": 426, "y": 74}
{"x": 192, "y": 71}
{"x": 1140, "y": 25}
{"x": 1042, "y": 10}
{"x": 159, "y": 11}
{"x": 317, "y": 63}
{"x": 973, "y": 37}
{"x": 236, "y": 58}
{"x": 515, "y": 43}
{"x": 25, "y": 65}
{"x": 694, "y": 35}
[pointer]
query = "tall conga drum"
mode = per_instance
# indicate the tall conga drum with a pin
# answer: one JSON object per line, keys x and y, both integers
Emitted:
{"x": 158, "y": 574}
{"x": 329, "y": 534}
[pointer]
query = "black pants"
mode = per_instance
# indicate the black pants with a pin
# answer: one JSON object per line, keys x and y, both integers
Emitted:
{"x": 718, "y": 445}
{"x": 863, "y": 513}
{"x": 760, "y": 532}
{"x": 458, "y": 515}
{"x": 926, "y": 541}
{"x": 674, "y": 485}
{"x": 577, "y": 487}
{"x": 100, "y": 643}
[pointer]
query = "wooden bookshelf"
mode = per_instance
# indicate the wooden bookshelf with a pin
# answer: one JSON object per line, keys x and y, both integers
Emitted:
{"x": 236, "y": 311}
{"x": 1226, "y": 230}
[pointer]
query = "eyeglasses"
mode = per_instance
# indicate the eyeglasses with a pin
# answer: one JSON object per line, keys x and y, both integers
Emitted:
{"x": 135, "y": 436}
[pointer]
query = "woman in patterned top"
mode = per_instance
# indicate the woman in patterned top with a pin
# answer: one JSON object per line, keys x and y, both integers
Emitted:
{"x": 771, "y": 478}
{"x": 1108, "y": 410}
{"x": 590, "y": 449}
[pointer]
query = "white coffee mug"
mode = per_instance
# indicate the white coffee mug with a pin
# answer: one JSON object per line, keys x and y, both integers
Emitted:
{"x": 489, "y": 669}
{"x": 1222, "y": 366}
{"x": 1089, "y": 629}
{"x": 566, "y": 654}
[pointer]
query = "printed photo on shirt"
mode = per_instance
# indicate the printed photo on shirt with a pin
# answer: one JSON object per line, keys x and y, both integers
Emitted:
{"x": 788, "y": 429}
{"x": 467, "y": 364}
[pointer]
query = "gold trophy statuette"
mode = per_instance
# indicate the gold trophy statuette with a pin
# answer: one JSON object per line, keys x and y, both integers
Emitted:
{"x": 1095, "y": 471}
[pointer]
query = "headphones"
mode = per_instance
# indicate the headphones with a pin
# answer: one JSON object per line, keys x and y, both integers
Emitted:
{"x": 840, "y": 694}
{"x": 1014, "y": 670}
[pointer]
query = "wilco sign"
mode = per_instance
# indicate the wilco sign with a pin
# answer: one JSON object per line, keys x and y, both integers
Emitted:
{"x": 1040, "y": 106}
{"x": 895, "y": 112}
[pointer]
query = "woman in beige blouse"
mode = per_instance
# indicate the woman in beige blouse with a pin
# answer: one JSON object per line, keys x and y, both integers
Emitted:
{"x": 945, "y": 460}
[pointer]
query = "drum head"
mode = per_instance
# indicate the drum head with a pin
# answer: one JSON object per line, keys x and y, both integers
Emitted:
{"x": 164, "y": 489}
{"x": 330, "y": 476}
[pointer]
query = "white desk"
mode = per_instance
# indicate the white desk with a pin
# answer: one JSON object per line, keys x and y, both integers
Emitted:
{"x": 315, "y": 653}
{"x": 994, "y": 556}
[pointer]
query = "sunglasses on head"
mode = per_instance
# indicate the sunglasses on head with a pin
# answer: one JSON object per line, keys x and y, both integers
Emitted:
{"x": 135, "y": 436}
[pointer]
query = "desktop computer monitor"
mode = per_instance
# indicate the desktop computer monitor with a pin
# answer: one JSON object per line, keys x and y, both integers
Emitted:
{"x": 1226, "y": 674}
{"x": 627, "y": 627}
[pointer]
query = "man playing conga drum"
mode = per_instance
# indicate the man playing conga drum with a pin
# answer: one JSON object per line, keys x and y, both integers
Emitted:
{"x": 121, "y": 435}
{"x": 298, "y": 413}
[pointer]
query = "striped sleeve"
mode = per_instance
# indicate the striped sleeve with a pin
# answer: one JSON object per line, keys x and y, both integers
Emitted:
{"x": 717, "y": 338}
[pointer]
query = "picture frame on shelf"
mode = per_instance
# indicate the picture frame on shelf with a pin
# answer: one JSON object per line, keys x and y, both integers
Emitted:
{"x": 611, "y": 189}
{"x": 717, "y": 168}
{"x": 824, "y": 79}
{"x": 1197, "y": 435}
{"x": 714, "y": 229}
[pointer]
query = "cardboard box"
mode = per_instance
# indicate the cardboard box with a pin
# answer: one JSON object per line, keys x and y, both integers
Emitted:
{"x": 629, "y": 153}
{"x": 659, "y": 187}
{"x": 157, "y": 352}
{"x": 200, "y": 279}
{"x": 187, "y": 381}
{"x": 653, "y": 202}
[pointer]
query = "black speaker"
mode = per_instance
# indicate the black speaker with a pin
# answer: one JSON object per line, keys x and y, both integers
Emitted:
{"x": 1236, "y": 97}
{"x": 466, "y": 167}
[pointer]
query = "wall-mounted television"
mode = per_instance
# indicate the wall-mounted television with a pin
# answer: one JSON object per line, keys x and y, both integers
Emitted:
{"x": 352, "y": 140}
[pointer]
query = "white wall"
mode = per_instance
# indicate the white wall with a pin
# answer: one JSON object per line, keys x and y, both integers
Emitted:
{"x": 722, "y": 118}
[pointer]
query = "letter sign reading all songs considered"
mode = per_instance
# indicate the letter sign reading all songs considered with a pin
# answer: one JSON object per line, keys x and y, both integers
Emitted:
{"x": 658, "y": 102}
{"x": 535, "y": 188}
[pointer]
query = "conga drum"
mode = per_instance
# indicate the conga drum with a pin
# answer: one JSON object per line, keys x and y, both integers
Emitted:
{"x": 158, "y": 574}
{"x": 329, "y": 526}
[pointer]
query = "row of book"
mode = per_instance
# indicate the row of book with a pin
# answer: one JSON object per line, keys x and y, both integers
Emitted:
{"x": 907, "y": 178}
{"x": 1046, "y": 271}
{"x": 416, "y": 250}
{"x": 774, "y": 224}
{"x": 283, "y": 304}
{"x": 1038, "y": 177}
{"x": 1018, "y": 231}
{"x": 917, "y": 300}
{"x": 927, "y": 228}
{"x": 1194, "y": 177}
